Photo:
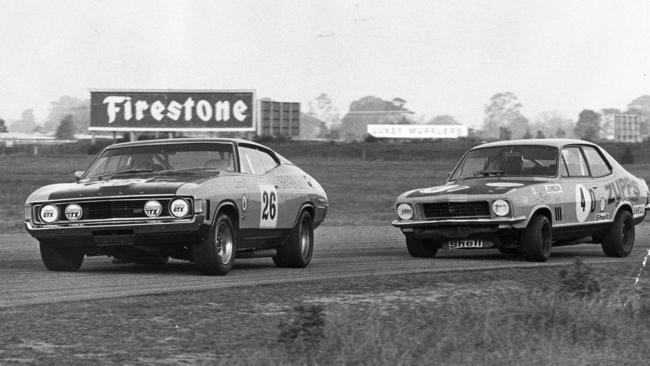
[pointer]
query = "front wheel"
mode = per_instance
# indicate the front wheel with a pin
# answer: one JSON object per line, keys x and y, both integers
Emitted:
{"x": 215, "y": 255}
{"x": 536, "y": 240}
{"x": 61, "y": 258}
{"x": 619, "y": 239}
{"x": 299, "y": 248}
{"x": 421, "y": 248}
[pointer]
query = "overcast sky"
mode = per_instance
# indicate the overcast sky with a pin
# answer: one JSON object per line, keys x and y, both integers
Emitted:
{"x": 442, "y": 57}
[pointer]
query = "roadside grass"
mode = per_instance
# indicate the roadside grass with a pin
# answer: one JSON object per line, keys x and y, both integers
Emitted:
{"x": 535, "y": 316}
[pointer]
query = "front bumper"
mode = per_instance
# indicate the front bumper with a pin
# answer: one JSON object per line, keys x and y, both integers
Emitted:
{"x": 151, "y": 232}
{"x": 492, "y": 229}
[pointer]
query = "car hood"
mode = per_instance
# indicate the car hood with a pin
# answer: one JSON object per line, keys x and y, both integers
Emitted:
{"x": 477, "y": 186}
{"x": 131, "y": 186}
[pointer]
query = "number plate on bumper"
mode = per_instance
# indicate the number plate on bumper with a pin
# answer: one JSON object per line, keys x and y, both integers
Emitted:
{"x": 466, "y": 244}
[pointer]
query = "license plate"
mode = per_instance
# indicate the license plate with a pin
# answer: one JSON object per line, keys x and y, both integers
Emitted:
{"x": 114, "y": 239}
{"x": 460, "y": 244}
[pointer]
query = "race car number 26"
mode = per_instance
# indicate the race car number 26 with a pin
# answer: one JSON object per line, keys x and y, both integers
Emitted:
{"x": 269, "y": 206}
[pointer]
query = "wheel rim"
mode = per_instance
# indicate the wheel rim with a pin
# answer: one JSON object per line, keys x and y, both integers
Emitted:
{"x": 224, "y": 243}
{"x": 304, "y": 238}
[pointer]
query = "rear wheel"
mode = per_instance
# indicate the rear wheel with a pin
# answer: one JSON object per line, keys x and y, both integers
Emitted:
{"x": 61, "y": 258}
{"x": 299, "y": 248}
{"x": 619, "y": 239}
{"x": 215, "y": 255}
{"x": 421, "y": 248}
{"x": 536, "y": 240}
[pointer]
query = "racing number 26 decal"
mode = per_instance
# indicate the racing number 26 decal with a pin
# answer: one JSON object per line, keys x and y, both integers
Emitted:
{"x": 268, "y": 206}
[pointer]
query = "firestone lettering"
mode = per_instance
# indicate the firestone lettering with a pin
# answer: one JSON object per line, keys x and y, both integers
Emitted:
{"x": 174, "y": 110}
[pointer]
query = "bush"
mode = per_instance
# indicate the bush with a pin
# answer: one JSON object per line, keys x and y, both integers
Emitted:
{"x": 303, "y": 331}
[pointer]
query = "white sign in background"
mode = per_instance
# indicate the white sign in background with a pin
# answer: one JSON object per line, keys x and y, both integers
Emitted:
{"x": 418, "y": 131}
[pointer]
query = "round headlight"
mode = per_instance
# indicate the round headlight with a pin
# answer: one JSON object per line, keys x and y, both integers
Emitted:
{"x": 404, "y": 211}
{"x": 49, "y": 213}
{"x": 500, "y": 207}
{"x": 152, "y": 208}
{"x": 179, "y": 208}
{"x": 73, "y": 212}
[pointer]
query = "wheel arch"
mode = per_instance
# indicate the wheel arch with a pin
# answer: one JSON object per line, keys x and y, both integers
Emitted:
{"x": 539, "y": 210}
{"x": 306, "y": 206}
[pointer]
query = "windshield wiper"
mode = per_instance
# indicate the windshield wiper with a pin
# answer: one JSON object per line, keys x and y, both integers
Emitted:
{"x": 489, "y": 173}
{"x": 186, "y": 171}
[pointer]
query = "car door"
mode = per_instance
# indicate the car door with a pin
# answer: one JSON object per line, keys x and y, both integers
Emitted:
{"x": 579, "y": 197}
{"x": 264, "y": 228}
{"x": 601, "y": 172}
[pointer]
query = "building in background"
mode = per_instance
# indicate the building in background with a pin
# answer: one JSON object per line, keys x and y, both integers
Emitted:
{"x": 627, "y": 128}
{"x": 279, "y": 119}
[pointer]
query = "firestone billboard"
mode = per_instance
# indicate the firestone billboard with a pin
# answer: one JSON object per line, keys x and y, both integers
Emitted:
{"x": 170, "y": 110}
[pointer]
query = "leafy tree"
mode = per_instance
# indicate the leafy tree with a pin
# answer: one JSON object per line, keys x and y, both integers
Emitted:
{"x": 560, "y": 133}
{"x": 25, "y": 124}
{"x": 323, "y": 109}
{"x": 504, "y": 110}
{"x": 528, "y": 135}
{"x": 504, "y": 133}
{"x": 66, "y": 128}
{"x": 443, "y": 119}
{"x": 540, "y": 135}
{"x": 3, "y": 128}
{"x": 588, "y": 126}
{"x": 79, "y": 110}
{"x": 550, "y": 122}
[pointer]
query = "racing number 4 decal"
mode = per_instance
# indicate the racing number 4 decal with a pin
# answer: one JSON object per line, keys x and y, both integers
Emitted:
{"x": 584, "y": 203}
{"x": 269, "y": 206}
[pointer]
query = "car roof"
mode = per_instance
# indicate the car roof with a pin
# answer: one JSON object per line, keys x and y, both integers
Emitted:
{"x": 543, "y": 142}
{"x": 183, "y": 140}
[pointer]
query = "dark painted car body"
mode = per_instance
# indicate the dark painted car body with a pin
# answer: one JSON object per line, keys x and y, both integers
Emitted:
{"x": 261, "y": 193}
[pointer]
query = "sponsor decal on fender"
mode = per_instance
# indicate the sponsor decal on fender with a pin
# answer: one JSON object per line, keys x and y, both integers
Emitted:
{"x": 622, "y": 188}
{"x": 601, "y": 216}
{"x": 553, "y": 188}
{"x": 638, "y": 210}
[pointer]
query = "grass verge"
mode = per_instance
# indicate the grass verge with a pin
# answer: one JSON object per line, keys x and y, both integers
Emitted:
{"x": 529, "y": 316}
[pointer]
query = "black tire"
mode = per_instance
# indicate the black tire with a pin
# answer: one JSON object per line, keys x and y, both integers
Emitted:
{"x": 421, "y": 248}
{"x": 537, "y": 239}
{"x": 619, "y": 239}
{"x": 215, "y": 255}
{"x": 61, "y": 258}
{"x": 299, "y": 248}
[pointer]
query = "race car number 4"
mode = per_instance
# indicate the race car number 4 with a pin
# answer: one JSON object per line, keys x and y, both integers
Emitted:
{"x": 458, "y": 244}
{"x": 269, "y": 206}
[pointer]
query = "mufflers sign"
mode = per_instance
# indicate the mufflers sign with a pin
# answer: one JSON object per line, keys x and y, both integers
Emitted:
{"x": 171, "y": 110}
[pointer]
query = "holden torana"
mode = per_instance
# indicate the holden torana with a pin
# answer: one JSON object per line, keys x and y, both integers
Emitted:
{"x": 525, "y": 196}
{"x": 203, "y": 200}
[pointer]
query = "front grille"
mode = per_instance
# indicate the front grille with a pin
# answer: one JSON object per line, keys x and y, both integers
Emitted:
{"x": 440, "y": 210}
{"x": 113, "y": 209}
{"x": 119, "y": 209}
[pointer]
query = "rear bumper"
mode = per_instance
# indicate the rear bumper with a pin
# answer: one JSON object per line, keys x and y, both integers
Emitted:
{"x": 125, "y": 233}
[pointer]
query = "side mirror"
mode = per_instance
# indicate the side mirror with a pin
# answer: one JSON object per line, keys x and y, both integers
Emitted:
{"x": 78, "y": 174}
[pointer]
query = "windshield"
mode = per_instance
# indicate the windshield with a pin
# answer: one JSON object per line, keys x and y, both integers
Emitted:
{"x": 508, "y": 161}
{"x": 163, "y": 159}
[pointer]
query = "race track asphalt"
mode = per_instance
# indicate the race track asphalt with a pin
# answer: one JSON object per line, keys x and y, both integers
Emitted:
{"x": 340, "y": 252}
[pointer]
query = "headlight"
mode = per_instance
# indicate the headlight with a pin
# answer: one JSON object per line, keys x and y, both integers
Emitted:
{"x": 500, "y": 207}
{"x": 179, "y": 208}
{"x": 404, "y": 211}
{"x": 152, "y": 208}
{"x": 73, "y": 212}
{"x": 49, "y": 213}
